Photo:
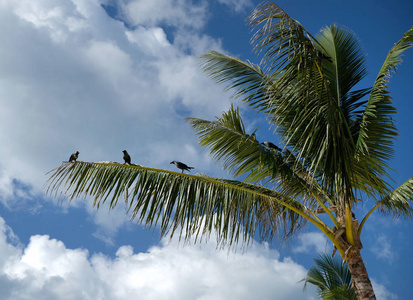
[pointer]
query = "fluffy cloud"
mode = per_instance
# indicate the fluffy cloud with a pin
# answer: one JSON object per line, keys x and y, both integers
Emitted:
{"x": 382, "y": 249}
{"x": 46, "y": 268}
{"x": 311, "y": 241}
{"x": 73, "y": 78}
{"x": 237, "y": 5}
{"x": 381, "y": 292}
{"x": 178, "y": 13}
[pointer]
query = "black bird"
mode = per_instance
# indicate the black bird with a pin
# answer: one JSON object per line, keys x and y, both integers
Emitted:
{"x": 74, "y": 156}
{"x": 323, "y": 56}
{"x": 271, "y": 146}
{"x": 181, "y": 166}
{"x": 286, "y": 152}
{"x": 126, "y": 157}
{"x": 288, "y": 156}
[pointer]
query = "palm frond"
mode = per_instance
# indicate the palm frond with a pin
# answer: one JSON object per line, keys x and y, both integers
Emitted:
{"x": 248, "y": 80}
{"x": 397, "y": 202}
{"x": 348, "y": 67}
{"x": 331, "y": 278}
{"x": 228, "y": 141}
{"x": 304, "y": 103}
{"x": 377, "y": 130}
{"x": 243, "y": 155}
{"x": 193, "y": 205}
{"x": 280, "y": 38}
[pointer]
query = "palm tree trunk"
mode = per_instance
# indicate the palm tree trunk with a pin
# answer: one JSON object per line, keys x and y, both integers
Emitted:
{"x": 360, "y": 278}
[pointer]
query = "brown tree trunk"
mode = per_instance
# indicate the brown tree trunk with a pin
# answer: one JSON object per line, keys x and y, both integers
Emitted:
{"x": 361, "y": 280}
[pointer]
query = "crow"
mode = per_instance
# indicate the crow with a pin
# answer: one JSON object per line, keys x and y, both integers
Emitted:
{"x": 271, "y": 146}
{"x": 181, "y": 166}
{"x": 126, "y": 157}
{"x": 74, "y": 156}
{"x": 287, "y": 153}
{"x": 323, "y": 56}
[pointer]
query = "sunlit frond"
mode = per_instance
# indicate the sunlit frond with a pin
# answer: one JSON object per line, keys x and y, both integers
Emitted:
{"x": 193, "y": 205}
{"x": 398, "y": 202}
{"x": 377, "y": 129}
{"x": 349, "y": 66}
{"x": 243, "y": 155}
{"x": 280, "y": 38}
{"x": 305, "y": 103}
{"x": 247, "y": 80}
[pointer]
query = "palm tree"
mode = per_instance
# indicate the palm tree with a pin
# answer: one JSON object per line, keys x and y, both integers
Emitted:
{"x": 332, "y": 279}
{"x": 337, "y": 143}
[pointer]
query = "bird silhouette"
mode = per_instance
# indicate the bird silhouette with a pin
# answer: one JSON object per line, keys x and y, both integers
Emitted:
{"x": 126, "y": 157}
{"x": 271, "y": 146}
{"x": 181, "y": 166}
{"x": 323, "y": 56}
{"x": 74, "y": 156}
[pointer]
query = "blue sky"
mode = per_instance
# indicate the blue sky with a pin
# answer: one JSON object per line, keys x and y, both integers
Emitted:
{"x": 75, "y": 77}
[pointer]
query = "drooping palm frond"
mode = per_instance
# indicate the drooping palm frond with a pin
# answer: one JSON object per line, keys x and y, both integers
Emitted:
{"x": 288, "y": 221}
{"x": 193, "y": 205}
{"x": 331, "y": 278}
{"x": 397, "y": 202}
{"x": 377, "y": 130}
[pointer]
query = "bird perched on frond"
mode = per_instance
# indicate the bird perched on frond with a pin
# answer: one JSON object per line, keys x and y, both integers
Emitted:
{"x": 321, "y": 55}
{"x": 181, "y": 166}
{"x": 74, "y": 156}
{"x": 271, "y": 146}
{"x": 126, "y": 157}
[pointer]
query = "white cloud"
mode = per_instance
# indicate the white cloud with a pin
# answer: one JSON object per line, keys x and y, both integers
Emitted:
{"x": 311, "y": 241}
{"x": 382, "y": 249}
{"x": 6, "y": 187}
{"x": 176, "y": 13}
{"x": 237, "y": 5}
{"x": 55, "y": 16}
{"x": 381, "y": 292}
{"x": 72, "y": 78}
{"x": 108, "y": 221}
{"x": 46, "y": 268}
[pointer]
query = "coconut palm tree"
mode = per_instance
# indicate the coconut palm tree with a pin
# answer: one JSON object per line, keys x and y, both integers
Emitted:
{"x": 331, "y": 278}
{"x": 337, "y": 142}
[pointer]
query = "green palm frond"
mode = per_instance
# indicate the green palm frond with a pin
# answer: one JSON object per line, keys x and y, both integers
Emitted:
{"x": 288, "y": 220}
{"x": 305, "y": 103}
{"x": 331, "y": 278}
{"x": 228, "y": 141}
{"x": 242, "y": 155}
{"x": 194, "y": 205}
{"x": 397, "y": 202}
{"x": 280, "y": 38}
{"x": 377, "y": 130}
{"x": 248, "y": 80}
{"x": 349, "y": 66}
